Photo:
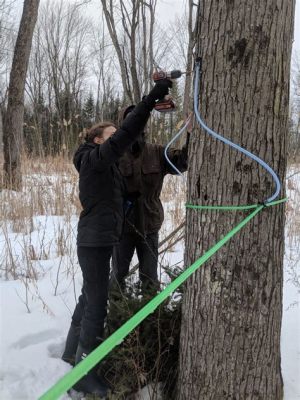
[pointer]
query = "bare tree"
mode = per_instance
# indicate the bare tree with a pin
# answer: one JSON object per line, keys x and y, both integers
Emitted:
{"x": 147, "y": 41}
{"x": 132, "y": 35}
{"x": 13, "y": 122}
{"x": 57, "y": 74}
{"x": 232, "y": 308}
{"x": 111, "y": 25}
{"x": 36, "y": 89}
{"x": 294, "y": 133}
{"x": 7, "y": 40}
{"x": 105, "y": 72}
{"x": 189, "y": 57}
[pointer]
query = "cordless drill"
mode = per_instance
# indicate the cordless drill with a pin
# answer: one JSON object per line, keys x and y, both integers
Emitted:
{"x": 167, "y": 104}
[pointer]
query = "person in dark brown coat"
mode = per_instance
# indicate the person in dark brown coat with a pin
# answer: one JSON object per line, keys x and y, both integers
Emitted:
{"x": 144, "y": 168}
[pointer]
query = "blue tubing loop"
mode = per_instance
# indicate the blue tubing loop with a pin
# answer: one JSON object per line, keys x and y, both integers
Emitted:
{"x": 171, "y": 142}
{"x": 226, "y": 141}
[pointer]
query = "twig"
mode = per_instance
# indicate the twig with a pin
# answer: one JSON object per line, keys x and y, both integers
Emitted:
{"x": 295, "y": 173}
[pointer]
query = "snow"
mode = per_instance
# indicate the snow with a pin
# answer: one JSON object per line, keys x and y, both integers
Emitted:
{"x": 40, "y": 281}
{"x": 290, "y": 343}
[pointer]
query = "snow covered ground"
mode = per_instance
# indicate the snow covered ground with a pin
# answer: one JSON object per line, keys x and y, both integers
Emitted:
{"x": 40, "y": 280}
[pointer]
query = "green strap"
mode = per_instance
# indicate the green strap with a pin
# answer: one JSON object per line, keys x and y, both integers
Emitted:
{"x": 234, "y": 208}
{"x": 67, "y": 381}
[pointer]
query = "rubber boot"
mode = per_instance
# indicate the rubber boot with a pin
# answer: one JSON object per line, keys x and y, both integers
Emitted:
{"x": 71, "y": 344}
{"x": 90, "y": 383}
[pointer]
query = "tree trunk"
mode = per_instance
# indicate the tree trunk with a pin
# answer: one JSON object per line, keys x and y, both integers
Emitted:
{"x": 232, "y": 308}
{"x": 13, "y": 122}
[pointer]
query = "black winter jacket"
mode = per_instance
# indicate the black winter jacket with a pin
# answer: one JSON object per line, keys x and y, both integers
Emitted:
{"x": 101, "y": 187}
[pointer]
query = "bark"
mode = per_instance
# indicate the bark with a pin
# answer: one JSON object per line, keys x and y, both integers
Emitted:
{"x": 13, "y": 122}
{"x": 232, "y": 308}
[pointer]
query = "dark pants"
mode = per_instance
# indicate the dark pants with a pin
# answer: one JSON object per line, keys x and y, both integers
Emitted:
{"x": 90, "y": 310}
{"x": 147, "y": 253}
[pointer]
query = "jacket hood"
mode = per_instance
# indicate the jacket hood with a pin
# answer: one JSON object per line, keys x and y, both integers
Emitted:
{"x": 80, "y": 152}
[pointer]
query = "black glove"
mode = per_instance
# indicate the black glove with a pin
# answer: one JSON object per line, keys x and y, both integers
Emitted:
{"x": 160, "y": 90}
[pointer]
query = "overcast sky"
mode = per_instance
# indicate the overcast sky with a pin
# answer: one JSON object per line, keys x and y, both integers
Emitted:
{"x": 296, "y": 45}
{"x": 167, "y": 10}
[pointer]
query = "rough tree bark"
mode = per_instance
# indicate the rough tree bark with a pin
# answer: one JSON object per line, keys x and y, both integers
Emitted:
{"x": 230, "y": 338}
{"x": 13, "y": 122}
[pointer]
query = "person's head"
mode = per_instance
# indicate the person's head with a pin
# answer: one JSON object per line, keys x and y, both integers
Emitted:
{"x": 100, "y": 132}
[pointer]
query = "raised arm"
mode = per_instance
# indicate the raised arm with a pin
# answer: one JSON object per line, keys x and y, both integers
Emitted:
{"x": 113, "y": 148}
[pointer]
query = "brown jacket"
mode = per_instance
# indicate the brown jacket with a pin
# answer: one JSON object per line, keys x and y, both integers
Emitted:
{"x": 144, "y": 173}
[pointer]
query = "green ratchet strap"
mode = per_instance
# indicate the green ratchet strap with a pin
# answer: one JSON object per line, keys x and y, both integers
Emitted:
{"x": 67, "y": 381}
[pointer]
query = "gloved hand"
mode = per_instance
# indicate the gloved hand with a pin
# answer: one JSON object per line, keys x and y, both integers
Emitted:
{"x": 160, "y": 90}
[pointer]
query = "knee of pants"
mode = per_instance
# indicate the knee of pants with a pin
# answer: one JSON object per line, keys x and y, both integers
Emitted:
{"x": 95, "y": 314}
{"x": 96, "y": 300}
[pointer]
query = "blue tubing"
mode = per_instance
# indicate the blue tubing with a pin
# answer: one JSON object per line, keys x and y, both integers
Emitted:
{"x": 235, "y": 146}
{"x": 171, "y": 142}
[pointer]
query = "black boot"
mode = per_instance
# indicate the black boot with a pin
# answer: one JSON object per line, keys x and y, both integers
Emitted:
{"x": 71, "y": 344}
{"x": 90, "y": 383}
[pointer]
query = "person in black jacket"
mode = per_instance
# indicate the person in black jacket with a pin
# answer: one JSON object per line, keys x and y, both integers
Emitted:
{"x": 101, "y": 193}
{"x": 144, "y": 168}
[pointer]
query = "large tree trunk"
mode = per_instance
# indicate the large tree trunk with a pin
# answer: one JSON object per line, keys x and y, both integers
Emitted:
{"x": 230, "y": 338}
{"x": 13, "y": 122}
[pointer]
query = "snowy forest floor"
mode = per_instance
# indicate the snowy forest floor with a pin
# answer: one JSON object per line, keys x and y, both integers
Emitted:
{"x": 40, "y": 278}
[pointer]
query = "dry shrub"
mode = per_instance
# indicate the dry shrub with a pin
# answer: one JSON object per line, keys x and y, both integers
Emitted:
{"x": 149, "y": 354}
{"x": 50, "y": 188}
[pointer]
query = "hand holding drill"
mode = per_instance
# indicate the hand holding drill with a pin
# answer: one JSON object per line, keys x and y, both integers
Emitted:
{"x": 166, "y": 104}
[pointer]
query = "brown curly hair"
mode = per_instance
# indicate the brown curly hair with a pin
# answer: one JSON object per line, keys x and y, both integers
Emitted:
{"x": 97, "y": 130}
